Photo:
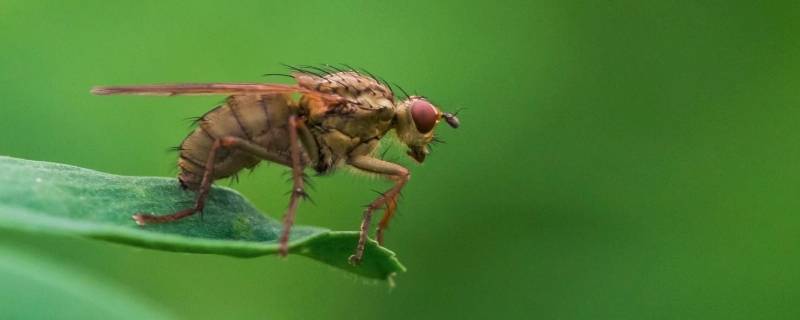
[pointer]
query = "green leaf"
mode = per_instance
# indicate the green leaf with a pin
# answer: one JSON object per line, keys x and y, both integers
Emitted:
{"x": 57, "y": 198}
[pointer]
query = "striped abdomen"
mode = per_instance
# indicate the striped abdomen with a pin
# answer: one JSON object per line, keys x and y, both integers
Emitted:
{"x": 260, "y": 119}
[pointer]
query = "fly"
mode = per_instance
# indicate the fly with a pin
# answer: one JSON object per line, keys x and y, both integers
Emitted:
{"x": 338, "y": 120}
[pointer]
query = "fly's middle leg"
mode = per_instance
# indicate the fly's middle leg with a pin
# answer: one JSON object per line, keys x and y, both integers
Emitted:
{"x": 298, "y": 190}
{"x": 228, "y": 142}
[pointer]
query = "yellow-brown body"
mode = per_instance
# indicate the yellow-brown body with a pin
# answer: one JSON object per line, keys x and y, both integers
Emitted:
{"x": 262, "y": 119}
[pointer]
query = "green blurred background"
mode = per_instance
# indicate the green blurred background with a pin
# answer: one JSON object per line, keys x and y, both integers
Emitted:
{"x": 617, "y": 160}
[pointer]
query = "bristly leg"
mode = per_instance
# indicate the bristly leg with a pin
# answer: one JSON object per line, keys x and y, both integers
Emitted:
{"x": 202, "y": 193}
{"x": 228, "y": 142}
{"x": 388, "y": 199}
{"x": 297, "y": 192}
{"x": 391, "y": 207}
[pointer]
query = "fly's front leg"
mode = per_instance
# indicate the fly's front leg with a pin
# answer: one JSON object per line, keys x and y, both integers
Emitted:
{"x": 391, "y": 208}
{"x": 396, "y": 173}
{"x": 298, "y": 190}
{"x": 228, "y": 142}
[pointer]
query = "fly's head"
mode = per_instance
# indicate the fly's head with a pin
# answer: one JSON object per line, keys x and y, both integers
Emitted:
{"x": 415, "y": 120}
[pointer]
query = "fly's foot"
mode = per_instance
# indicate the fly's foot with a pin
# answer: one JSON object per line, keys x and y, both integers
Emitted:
{"x": 141, "y": 218}
{"x": 146, "y": 218}
{"x": 283, "y": 250}
{"x": 355, "y": 259}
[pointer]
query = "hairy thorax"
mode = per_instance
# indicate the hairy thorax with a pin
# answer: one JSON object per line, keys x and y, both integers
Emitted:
{"x": 355, "y": 127}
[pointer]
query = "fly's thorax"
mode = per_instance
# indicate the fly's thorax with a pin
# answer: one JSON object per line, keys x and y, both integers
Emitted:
{"x": 363, "y": 117}
{"x": 358, "y": 126}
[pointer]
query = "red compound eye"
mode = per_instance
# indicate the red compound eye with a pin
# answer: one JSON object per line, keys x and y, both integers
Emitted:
{"x": 424, "y": 115}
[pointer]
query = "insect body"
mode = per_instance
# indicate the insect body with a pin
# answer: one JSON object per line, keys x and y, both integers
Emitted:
{"x": 338, "y": 121}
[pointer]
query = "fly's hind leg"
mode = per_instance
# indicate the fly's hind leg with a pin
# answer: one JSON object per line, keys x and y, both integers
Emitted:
{"x": 199, "y": 203}
{"x": 396, "y": 173}
{"x": 228, "y": 142}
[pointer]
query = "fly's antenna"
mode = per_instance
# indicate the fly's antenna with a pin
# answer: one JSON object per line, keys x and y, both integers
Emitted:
{"x": 452, "y": 118}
